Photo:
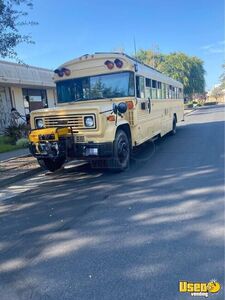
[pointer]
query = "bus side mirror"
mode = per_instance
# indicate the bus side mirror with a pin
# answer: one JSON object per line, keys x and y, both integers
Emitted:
{"x": 115, "y": 108}
{"x": 122, "y": 107}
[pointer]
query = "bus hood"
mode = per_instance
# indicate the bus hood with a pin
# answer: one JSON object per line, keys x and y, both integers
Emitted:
{"x": 73, "y": 115}
{"x": 75, "y": 108}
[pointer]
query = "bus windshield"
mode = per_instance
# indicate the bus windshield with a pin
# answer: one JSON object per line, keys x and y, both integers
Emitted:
{"x": 113, "y": 85}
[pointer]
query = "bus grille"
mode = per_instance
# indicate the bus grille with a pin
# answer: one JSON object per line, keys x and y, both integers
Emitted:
{"x": 74, "y": 121}
{"x": 79, "y": 139}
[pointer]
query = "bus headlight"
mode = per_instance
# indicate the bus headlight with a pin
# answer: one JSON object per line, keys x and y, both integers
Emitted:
{"x": 89, "y": 121}
{"x": 39, "y": 123}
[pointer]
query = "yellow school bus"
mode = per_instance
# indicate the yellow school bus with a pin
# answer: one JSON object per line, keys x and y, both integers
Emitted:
{"x": 107, "y": 104}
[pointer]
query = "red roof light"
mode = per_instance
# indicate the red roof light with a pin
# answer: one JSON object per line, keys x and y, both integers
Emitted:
{"x": 66, "y": 71}
{"x": 62, "y": 71}
{"x": 109, "y": 64}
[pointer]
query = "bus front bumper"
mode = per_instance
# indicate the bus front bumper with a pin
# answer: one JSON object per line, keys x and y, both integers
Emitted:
{"x": 56, "y": 149}
{"x": 90, "y": 150}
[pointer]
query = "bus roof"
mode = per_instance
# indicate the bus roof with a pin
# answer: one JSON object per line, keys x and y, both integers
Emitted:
{"x": 143, "y": 69}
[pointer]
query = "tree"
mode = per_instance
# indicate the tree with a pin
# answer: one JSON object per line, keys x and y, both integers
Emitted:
{"x": 150, "y": 57}
{"x": 11, "y": 18}
{"x": 217, "y": 92}
{"x": 222, "y": 78}
{"x": 187, "y": 69}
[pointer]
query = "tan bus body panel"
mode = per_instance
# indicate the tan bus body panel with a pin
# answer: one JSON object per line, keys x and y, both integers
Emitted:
{"x": 143, "y": 124}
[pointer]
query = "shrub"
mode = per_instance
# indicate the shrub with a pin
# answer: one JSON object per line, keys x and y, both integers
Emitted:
{"x": 16, "y": 132}
{"x": 22, "y": 143}
{"x": 210, "y": 103}
{"x": 6, "y": 140}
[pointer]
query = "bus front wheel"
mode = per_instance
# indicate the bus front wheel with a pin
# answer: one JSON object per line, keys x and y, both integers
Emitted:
{"x": 51, "y": 165}
{"x": 121, "y": 156}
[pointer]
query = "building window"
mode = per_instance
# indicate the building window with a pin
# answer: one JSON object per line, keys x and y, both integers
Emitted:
{"x": 34, "y": 99}
{"x": 5, "y": 109}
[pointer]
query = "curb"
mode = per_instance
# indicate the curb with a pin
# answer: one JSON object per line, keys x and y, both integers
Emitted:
{"x": 188, "y": 113}
{"x": 16, "y": 178}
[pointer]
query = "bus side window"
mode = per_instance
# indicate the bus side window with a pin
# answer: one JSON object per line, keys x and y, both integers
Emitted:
{"x": 176, "y": 90}
{"x": 164, "y": 90}
{"x": 180, "y": 93}
{"x": 148, "y": 88}
{"x": 140, "y": 87}
{"x": 167, "y": 92}
{"x": 159, "y": 92}
{"x": 170, "y": 91}
{"x": 138, "y": 94}
{"x": 154, "y": 89}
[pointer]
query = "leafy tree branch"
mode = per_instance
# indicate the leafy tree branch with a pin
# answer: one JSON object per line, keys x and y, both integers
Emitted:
{"x": 13, "y": 14}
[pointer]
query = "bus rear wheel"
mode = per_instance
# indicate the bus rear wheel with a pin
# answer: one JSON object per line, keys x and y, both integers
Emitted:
{"x": 174, "y": 127}
{"x": 51, "y": 165}
{"x": 121, "y": 156}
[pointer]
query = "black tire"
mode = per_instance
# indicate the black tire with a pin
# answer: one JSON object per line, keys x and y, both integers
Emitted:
{"x": 174, "y": 128}
{"x": 51, "y": 165}
{"x": 122, "y": 151}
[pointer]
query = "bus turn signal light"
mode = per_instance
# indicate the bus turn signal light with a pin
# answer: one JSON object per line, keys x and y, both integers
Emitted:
{"x": 130, "y": 104}
{"x": 111, "y": 118}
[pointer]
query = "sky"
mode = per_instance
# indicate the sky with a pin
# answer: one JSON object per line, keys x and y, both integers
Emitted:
{"x": 70, "y": 28}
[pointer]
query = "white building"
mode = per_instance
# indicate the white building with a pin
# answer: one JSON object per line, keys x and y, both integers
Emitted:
{"x": 24, "y": 88}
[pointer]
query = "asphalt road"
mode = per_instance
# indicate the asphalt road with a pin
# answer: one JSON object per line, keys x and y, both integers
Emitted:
{"x": 88, "y": 234}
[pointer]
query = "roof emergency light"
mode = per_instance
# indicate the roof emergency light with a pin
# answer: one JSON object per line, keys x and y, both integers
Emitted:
{"x": 109, "y": 64}
{"x": 66, "y": 71}
{"x": 118, "y": 63}
{"x": 63, "y": 71}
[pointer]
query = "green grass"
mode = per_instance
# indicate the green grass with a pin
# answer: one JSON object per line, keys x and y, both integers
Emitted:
{"x": 7, "y": 148}
{"x": 6, "y": 144}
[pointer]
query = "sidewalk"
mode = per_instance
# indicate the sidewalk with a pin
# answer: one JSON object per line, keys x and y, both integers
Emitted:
{"x": 13, "y": 154}
{"x": 188, "y": 111}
